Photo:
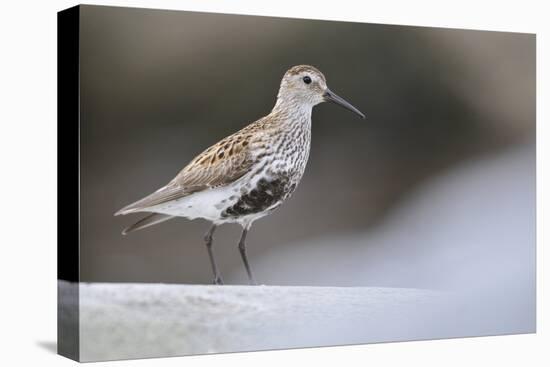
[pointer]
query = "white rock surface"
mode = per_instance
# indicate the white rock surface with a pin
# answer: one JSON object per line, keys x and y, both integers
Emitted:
{"x": 120, "y": 321}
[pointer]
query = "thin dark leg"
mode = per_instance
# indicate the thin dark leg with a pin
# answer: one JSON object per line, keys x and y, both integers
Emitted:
{"x": 242, "y": 250}
{"x": 208, "y": 238}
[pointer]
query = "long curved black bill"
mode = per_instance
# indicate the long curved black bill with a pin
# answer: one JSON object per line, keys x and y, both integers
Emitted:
{"x": 333, "y": 97}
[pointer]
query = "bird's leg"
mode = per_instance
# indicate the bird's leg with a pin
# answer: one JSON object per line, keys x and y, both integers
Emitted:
{"x": 242, "y": 250}
{"x": 208, "y": 239}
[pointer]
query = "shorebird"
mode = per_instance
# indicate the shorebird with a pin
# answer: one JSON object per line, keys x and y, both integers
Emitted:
{"x": 249, "y": 174}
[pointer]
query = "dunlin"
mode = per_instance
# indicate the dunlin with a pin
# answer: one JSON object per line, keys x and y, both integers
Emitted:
{"x": 249, "y": 174}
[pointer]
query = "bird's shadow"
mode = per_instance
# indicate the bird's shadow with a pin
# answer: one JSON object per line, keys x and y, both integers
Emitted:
{"x": 50, "y": 346}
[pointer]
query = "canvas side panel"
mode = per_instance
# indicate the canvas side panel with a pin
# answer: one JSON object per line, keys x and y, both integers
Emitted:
{"x": 68, "y": 207}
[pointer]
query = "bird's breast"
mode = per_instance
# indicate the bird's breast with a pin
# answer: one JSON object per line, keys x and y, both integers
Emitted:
{"x": 279, "y": 167}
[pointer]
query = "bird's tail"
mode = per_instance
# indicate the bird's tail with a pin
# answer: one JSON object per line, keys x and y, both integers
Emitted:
{"x": 148, "y": 221}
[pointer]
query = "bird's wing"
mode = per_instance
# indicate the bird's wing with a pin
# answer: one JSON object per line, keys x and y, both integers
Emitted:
{"x": 219, "y": 165}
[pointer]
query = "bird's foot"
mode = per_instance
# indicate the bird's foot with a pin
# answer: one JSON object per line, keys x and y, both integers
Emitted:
{"x": 217, "y": 280}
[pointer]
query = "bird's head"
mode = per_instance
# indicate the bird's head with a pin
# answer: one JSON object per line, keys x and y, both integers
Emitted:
{"x": 305, "y": 85}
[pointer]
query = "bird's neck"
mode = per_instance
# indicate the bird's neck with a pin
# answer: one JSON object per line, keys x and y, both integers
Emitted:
{"x": 292, "y": 122}
{"x": 292, "y": 111}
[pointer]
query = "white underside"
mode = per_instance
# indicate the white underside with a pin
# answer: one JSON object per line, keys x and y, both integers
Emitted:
{"x": 209, "y": 204}
{"x": 204, "y": 204}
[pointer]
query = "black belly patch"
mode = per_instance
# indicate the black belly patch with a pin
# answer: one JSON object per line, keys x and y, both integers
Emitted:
{"x": 266, "y": 194}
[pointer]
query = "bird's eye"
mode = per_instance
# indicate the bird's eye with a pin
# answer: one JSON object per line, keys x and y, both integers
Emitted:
{"x": 307, "y": 79}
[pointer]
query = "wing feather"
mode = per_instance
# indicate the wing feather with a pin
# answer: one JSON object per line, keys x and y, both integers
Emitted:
{"x": 219, "y": 165}
{"x": 148, "y": 221}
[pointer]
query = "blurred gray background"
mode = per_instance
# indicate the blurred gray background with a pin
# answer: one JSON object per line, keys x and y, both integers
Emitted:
{"x": 435, "y": 188}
